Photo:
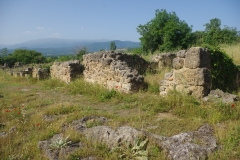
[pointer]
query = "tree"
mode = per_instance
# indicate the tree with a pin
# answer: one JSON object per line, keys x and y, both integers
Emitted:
{"x": 214, "y": 35}
{"x": 198, "y": 37}
{"x": 165, "y": 32}
{"x": 81, "y": 52}
{"x": 4, "y": 52}
{"x": 113, "y": 46}
{"x": 28, "y": 56}
{"x": 212, "y": 31}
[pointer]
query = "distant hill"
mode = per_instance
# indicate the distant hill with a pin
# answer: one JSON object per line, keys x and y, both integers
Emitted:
{"x": 55, "y": 46}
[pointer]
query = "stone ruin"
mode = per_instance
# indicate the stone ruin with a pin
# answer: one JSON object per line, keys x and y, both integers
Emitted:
{"x": 191, "y": 73}
{"x": 26, "y": 71}
{"x": 66, "y": 71}
{"x": 122, "y": 72}
{"x": 18, "y": 64}
{"x": 192, "y": 145}
{"x": 40, "y": 73}
{"x": 112, "y": 70}
{"x": 162, "y": 60}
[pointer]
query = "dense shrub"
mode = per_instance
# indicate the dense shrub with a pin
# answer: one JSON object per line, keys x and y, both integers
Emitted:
{"x": 223, "y": 69}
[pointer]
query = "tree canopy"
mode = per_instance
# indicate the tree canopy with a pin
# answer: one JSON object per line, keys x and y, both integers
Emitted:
{"x": 81, "y": 51}
{"x": 215, "y": 35}
{"x": 28, "y": 56}
{"x": 23, "y": 55}
{"x": 113, "y": 46}
{"x": 165, "y": 32}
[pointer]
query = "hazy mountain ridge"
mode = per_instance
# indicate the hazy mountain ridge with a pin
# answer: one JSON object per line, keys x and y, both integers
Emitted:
{"x": 54, "y": 46}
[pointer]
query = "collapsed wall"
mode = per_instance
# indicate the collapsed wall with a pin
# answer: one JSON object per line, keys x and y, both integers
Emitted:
{"x": 34, "y": 72}
{"x": 66, "y": 71}
{"x": 115, "y": 70}
{"x": 191, "y": 73}
{"x": 40, "y": 73}
{"x": 161, "y": 60}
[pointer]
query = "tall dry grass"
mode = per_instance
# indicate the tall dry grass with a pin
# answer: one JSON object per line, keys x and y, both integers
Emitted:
{"x": 233, "y": 50}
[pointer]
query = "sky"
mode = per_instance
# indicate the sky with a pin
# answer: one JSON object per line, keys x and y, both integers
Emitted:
{"x": 23, "y": 20}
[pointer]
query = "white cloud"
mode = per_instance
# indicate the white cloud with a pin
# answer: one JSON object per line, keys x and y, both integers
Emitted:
{"x": 40, "y": 28}
{"x": 56, "y": 35}
{"x": 29, "y": 32}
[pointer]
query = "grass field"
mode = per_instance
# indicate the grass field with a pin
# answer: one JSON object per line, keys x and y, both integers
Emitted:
{"x": 233, "y": 51}
{"x": 24, "y": 102}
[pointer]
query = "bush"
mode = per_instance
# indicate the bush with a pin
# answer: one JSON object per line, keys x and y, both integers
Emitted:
{"x": 223, "y": 69}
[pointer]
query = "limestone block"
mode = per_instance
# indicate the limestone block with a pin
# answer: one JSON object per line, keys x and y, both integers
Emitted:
{"x": 162, "y": 88}
{"x": 162, "y": 60}
{"x": 168, "y": 75}
{"x": 197, "y": 57}
{"x": 199, "y": 91}
{"x": 164, "y": 83}
{"x": 181, "y": 53}
{"x": 197, "y": 77}
{"x": 178, "y": 63}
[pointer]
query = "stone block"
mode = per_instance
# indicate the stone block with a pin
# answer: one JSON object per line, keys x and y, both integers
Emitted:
{"x": 197, "y": 57}
{"x": 168, "y": 75}
{"x": 178, "y": 63}
{"x": 196, "y": 77}
{"x": 181, "y": 53}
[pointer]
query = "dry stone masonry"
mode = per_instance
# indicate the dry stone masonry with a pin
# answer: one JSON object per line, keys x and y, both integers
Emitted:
{"x": 114, "y": 70}
{"x": 191, "y": 73}
{"x": 66, "y": 71}
{"x": 162, "y": 60}
{"x": 40, "y": 73}
{"x": 34, "y": 72}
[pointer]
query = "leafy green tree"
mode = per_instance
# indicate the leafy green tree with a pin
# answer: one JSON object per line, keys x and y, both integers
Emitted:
{"x": 198, "y": 37}
{"x": 81, "y": 52}
{"x": 10, "y": 59}
{"x": 28, "y": 56}
{"x": 229, "y": 34}
{"x": 214, "y": 35}
{"x": 138, "y": 51}
{"x": 213, "y": 31}
{"x": 165, "y": 32}
{"x": 113, "y": 46}
{"x": 64, "y": 58}
{"x": 4, "y": 52}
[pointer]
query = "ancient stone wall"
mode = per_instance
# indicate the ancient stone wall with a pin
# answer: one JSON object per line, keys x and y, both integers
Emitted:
{"x": 115, "y": 70}
{"x": 66, "y": 71}
{"x": 40, "y": 73}
{"x": 161, "y": 60}
{"x": 26, "y": 71}
{"x": 191, "y": 73}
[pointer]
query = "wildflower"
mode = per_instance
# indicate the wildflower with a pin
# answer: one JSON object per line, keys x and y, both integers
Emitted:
{"x": 22, "y": 106}
{"x": 233, "y": 105}
{"x": 116, "y": 86}
{"x": 19, "y": 112}
{"x": 15, "y": 109}
{"x": 38, "y": 125}
{"x": 7, "y": 110}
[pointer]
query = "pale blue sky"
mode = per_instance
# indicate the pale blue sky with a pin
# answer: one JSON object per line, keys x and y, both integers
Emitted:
{"x": 23, "y": 20}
